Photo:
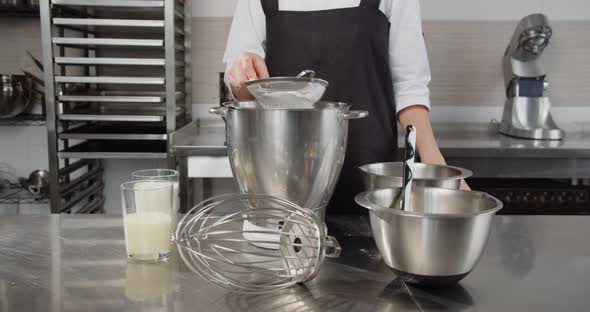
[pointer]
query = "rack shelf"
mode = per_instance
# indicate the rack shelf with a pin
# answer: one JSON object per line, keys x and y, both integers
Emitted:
{"x": 113, "y": 3}
{"x": 17, "y": 195}
{"x": 109, "y": 22}
{"x": 117, "y": 131}
{"x": 94, "y": 42}
{"x": 111, "y": 80}
{"x": 18, "y": 11}
{"x": 122, "y": 88}
{"x": 24, "y": 120}
{"x": 111, "y": 149}
{"x": 109, "y": 61}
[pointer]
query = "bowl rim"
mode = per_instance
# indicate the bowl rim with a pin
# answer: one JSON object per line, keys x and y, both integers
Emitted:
{"x": 322, "y": 82}
{"x": 464, "y": 173}
{"x": 372, "y": 207}
{"x": 329, "y": 105}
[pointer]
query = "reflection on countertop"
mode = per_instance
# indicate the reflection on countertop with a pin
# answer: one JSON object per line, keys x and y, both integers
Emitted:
{"x": 77, "y": 263}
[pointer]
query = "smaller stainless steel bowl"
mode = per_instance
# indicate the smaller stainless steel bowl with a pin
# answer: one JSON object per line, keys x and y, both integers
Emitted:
{"x": 439, "y": 240}
{"x": 389, "y": 174}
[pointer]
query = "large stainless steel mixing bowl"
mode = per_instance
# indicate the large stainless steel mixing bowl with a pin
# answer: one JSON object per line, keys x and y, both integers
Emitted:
{"x": 439, "y": 240}
{"x": 293, "y": 154}
{"x": 389, "y": 174}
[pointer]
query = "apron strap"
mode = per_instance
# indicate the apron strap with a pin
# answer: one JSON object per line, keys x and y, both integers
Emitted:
{"x": 370, "y": 4}
{"x": 270, "y": 7}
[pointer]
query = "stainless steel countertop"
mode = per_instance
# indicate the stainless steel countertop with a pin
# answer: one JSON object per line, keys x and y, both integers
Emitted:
{"x": 200, "y": 138}
{"x": 465, "y": 140}
{"x": 77, "y": 263}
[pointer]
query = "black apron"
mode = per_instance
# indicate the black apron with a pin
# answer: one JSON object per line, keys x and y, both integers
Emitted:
{"x": 349, "y": 48}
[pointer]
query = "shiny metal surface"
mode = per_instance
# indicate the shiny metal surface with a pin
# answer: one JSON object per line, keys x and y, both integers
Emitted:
{"x": 528, "y": 115}
{"x": 109, "y": 42}
{"x": 443, "y": 233}
{"x": 143, "y": 114}
{"x": 111, "y": 80}
{"x": 88, "y": 44}
{"x": 50, "y": 104}
{"x": 110, "y": 61}
{"x": 385, "y": 175}
{"x": 109, "y": 22}
{"x": 16, "y": 95}
{"x": 294, "y": 154}
{"x": 136, "y": 131}
{"x": 113, "y": 3}
{"x": 478, "y": 146}
{"x": 472, "y": 140}
{"x": 521, "y": 58}
{"x": 38, "y": 182}
{"x": 77, "y": 263}
{"x": 200, "y": 138}
{"x": 215, "y": 243}
{"x": 482, "y": 140}
{"x": 116, "y": 149}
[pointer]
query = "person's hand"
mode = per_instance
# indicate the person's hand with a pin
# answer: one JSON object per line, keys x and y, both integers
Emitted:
{"x": 246, "y": 66}
{"x": 464, "y": 186}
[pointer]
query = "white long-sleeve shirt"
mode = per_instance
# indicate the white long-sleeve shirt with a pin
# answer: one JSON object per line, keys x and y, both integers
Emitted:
{"x": 407, "y": 52}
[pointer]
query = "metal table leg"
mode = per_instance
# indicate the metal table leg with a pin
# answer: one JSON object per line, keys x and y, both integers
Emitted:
{"x": 207, "y": 188}
{"x": 185, "y": 185}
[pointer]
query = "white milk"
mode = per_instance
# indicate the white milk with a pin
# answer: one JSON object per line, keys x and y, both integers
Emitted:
{"x": 147, "y": 235}
{"x": 153, "y": 200}
{"x": 156, "y": 200}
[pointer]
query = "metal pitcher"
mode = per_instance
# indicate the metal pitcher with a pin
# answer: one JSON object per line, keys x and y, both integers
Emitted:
{"x": 291, "y": 153}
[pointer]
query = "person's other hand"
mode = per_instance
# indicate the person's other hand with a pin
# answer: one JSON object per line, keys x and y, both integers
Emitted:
{"x": 246, "y": 66}
{"x": 464, "y": 186}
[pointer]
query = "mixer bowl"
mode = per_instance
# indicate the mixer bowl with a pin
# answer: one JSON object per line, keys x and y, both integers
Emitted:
{"x": 293, "y": 154}
{"x": 439, "y": 240}
{"x": 389, "y": 174}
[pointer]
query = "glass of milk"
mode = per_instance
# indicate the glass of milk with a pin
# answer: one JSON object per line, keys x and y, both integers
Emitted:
{"x": 165, "y": 175}
{"x": 147, "y": 219}
{"x": 145, "y": 281}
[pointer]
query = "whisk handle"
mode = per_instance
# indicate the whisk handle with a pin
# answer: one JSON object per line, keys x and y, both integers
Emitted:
{"x": 408, "y": 173}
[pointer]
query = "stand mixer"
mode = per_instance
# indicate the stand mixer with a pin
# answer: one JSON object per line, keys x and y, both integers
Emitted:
{"x": 527, "y": 109}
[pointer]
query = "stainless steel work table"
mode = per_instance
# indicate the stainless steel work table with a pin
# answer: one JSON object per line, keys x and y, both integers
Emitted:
{"x": 77, "y": 263}
{"x": 456, "y": 140}
{"x": 476, "y": 146}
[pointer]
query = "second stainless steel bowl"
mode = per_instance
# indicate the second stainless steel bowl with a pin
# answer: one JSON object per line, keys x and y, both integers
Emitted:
{"x": 389, "y": 174}
{"x": 439, "y": 240}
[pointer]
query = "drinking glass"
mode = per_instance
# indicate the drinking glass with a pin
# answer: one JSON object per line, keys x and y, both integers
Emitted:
{"x": 165, "y": 175}
{"x": 147, "y": 219}
{"x": 147, "y": 281}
